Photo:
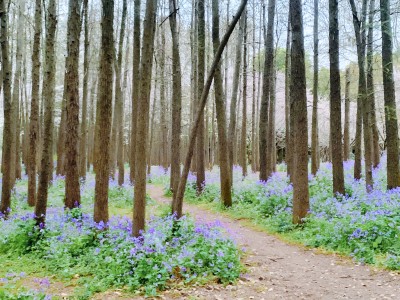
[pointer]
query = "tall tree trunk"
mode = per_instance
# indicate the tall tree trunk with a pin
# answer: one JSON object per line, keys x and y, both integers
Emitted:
{"x": 103, "y": 113}
{"x": 83, "y": 135}
{"x": 6, "y": 74}
{"x": 288, "y": 149}
{"x": 298, "y": 99}
{"x": 143, "y": 126}
{"x": 135, "y": 85}
{"x": 33, "y": 122}
{"x": 72, "y": 190}
{"x": 314, "y": 129}
{"x": 271, "y": 146}
{"x": 176, "y": 115}
{"x": 269, "y": 56}
{"x": 151, "y": 129}
{"x": 204, "y": 95}
{"x": 60, "y": 169}
{"x": 201, "y": 38}
{"x": 335, "y": 101}
{"x": 253, "y": 103}
{"x": 346, "y": 133}
{"x": 48, "y": 97}
{"x": 392, "y": 135}
{"x": 243, "y": 152}
{"x": 376, "y": 155}
{"x": 163, "y": 119}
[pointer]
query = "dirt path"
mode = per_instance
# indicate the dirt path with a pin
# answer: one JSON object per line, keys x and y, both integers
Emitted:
{"x": 281, "y": 271}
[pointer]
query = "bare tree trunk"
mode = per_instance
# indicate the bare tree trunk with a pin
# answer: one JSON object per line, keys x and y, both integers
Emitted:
{"x": 143, "y": 126}
{"x": 176, "y": 101}
{"x": 392, "y": 135}
{"x": 335, "y": 101}
{"x": 298, "y": 99}
{"x": 60, "y": 169}
{"x": 200, "y": 168}
{"x": 253, "y": 103}
{"x": 48, "y": 97}
{"x": 288, "y": 150}
{"x": 204, "y": 95}
{"x": 103, "y": 113}
{"x": 135, "y": 86}
{"x": 83, "y": 137}
{"x": 346, "y": 134}
{"x": 269, "y": 56}
{"x": 376, "y": 153}
{"x": 271, "y": 146}
{"x": 72, "y": 190}
{"x": 243, "y": 160}
{"x": 152, "y": 130}
{"x": 33, "y": 124}
{"x": 6, "y": 74}
{"x": 314, "y": 134}
{"x": 163, "y": 120}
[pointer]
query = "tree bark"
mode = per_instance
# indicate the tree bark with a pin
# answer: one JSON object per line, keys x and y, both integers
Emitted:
{"x": 243, "y": 152}
{"x": 33, "y": 122}
{"x": 48, "y": 97}
{"x": 346, "y": 134}
{"x": 298, "y": 100}
{"x": 392, "y": 135}
{"x": 143, "y": 126}
{"x": 288, "y": 149}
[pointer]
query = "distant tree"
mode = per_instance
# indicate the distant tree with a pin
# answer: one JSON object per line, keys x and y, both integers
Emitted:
{"x": 392, "y": 135}
{"x": 346, "y": 133}
{"x": 103, "y": 113}
{"x": 46, "y": 169}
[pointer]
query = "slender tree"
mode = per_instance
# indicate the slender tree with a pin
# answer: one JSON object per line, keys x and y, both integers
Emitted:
{"x": 243, "y": 154}
{"x": 48, "y": 97}
{"x": 346, "y": 133}
{"x": 314, "y": 125}
{"x": 288, "y": 151}
{"x": 33, "y": 122}
{"x": 392, "y": 135}
{"x": 103, "y": 113}
{"x": 142, "y": 128}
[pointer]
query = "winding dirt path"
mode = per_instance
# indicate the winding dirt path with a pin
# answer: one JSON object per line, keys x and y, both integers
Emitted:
{"x": 277, "y": 270}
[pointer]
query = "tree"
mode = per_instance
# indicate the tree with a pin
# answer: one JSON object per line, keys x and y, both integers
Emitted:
{"x": 176, "y": 100}
{"x": 298, "y": 107}
{"x": 83, "y": 135}
{"x": 314, "y": 125}
{"x": 243, "y": 160}
{"x": 288, "y": 149}
{"x": 268, "y": 61}
{"x": 142, "y": 128}
{"x": 72, "y": 189}
{"x": 346, "y": 133}
{"x": 393, "y": 175}
{"x": 204, "y": 95}
{"x": 6, "y": 73}
{"x": 33, "y": 122}
{"x": 135, "y": 85}
{"x": 335, "y": 101}
{"x": 48, "y": 97}
{"x": 103, "y": 113}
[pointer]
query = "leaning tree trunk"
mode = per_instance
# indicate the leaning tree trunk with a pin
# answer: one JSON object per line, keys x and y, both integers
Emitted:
{"x": 72, "y": 190}
{"x": 6, "y": 74}
{"x": 204, "y": 95}
{"x": 393, "y": 175}
{"x": 176, "y": 100}
{"x": 33, "y": 122}
{"x": 103, "y": 113}
{"x": 335, "y": 101}
{"x": 48, "y": 97}
{"x": 269, "y": 56}
{"x": 142, "y": 130}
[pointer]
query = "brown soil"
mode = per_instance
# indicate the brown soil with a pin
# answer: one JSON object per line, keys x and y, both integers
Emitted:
{"x": 277, "y": 270}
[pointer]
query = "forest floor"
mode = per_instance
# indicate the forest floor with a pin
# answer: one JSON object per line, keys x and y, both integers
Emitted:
{"x": 278, "y": 270}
